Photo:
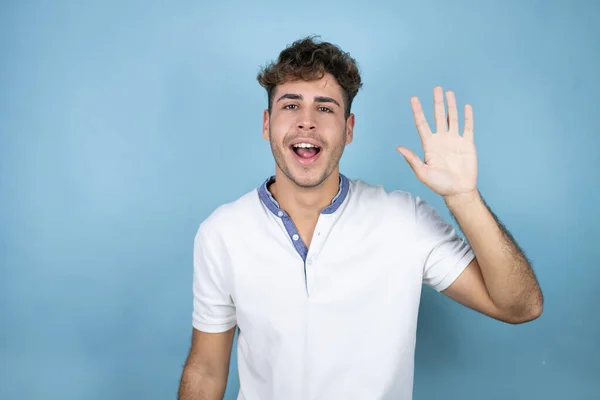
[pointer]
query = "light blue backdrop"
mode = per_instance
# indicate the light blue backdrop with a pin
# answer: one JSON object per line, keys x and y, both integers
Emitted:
{"x": 124, "y": 124}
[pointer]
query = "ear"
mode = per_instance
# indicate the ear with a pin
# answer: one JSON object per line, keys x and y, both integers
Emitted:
{"x": 265, "y": 129}
{"x": 350, "y": 129}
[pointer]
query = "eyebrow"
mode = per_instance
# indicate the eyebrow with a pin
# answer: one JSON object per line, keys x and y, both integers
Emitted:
{"x": 318, "y": 99}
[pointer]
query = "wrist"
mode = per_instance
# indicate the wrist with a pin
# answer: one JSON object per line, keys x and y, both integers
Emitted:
{"x": 462, "y": 199}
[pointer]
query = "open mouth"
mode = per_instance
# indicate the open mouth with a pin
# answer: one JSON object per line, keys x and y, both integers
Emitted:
{"x": 306, "y": 152}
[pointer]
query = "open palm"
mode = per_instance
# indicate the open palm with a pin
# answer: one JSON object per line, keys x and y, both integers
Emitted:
{"x": 450, "y": 160}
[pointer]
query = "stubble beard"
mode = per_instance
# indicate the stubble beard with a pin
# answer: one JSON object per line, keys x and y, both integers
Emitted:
{"x": 334, "y": 158}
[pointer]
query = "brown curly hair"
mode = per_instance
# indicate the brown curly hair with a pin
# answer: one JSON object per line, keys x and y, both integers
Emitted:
{"x": 309, "y": 59}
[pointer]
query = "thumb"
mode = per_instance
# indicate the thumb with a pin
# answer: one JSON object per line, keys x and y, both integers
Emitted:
{"x": 411, "y": 158}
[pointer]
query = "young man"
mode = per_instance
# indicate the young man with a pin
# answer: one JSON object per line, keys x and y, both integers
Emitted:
{"x": 323, "y": 274}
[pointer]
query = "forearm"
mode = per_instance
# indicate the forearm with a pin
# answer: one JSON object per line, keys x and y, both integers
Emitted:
{"x": 508, "y": 276}
{"x": 195, "y": 385}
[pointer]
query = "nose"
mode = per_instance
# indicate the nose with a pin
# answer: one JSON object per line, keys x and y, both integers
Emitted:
{"x": 306, "y": 121}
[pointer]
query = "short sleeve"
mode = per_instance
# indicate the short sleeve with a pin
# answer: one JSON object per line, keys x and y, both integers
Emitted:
{"x": 214, "y": 310}
{"x": 445, "y": 253}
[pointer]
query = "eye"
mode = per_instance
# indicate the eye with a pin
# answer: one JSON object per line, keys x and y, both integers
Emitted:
{"x": 325, "y": 109}
{"x": 288, "y": 107}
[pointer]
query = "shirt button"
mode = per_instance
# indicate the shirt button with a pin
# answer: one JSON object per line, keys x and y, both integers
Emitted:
{"x": 295, "y": 237}
{"x": 280, "y": 213}
{"x": 309, "y": 261}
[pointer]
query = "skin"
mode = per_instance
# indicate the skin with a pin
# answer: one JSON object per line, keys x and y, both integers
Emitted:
{"x": 206, "y": 368}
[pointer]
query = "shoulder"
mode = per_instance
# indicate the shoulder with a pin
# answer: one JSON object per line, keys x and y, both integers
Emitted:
{"x": 228, "y": 216}
{"x": 376, "y": 197}
{"x": 399, "y": 208}
{"x": 377, "y": 201}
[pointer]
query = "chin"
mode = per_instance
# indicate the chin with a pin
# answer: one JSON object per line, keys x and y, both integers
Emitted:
{"x": 308, "y": 179}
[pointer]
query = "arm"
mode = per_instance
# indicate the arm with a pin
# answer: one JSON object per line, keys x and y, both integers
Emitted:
{"x": 500, "y": 281}
{"x": 205, "y": 373}
{"x": 206, "y": 369}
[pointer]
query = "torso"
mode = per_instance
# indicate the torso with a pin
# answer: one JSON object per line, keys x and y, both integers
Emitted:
{"x": 340, "y": 323}
{"x": 338, "y": 320}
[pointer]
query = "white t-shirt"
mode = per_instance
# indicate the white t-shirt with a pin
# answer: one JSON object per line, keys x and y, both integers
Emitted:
{"x": 337, "y": 320}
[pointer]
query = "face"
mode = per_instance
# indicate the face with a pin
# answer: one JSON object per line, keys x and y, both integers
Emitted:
{"x": 307, "y": 129}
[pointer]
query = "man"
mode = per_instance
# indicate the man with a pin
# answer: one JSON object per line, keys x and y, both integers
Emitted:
{"x": 323, "y": 274}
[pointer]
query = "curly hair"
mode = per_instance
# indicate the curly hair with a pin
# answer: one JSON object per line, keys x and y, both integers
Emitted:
{"x": 308, "y": 59}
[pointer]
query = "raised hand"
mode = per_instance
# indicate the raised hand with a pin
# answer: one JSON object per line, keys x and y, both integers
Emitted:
{"x": 450, "y": 160}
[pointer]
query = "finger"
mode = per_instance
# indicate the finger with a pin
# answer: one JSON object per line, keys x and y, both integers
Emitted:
{"x": 452, "y": 112}
{"x": 412, "y": 159}
{"x": 439, "y": 111}
{"x": 420, "y": 120}
{"x": 469, "y": 122}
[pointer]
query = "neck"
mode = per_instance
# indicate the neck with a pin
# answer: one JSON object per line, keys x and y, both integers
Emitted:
{"x": 304, "y": 202}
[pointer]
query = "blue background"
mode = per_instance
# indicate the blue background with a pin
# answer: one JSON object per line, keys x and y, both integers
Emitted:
{"x": 124, "y": 124}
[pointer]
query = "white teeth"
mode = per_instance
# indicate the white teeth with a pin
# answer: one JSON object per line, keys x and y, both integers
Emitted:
{"x": 305, "y": 145}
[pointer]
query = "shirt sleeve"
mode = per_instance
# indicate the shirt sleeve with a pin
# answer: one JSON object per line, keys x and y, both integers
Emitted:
{"x": 446, "y": 254}
{"x": 214, "y": 310}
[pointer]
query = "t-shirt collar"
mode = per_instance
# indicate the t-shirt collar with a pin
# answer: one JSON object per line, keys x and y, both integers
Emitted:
{"x": 269, "y": 201}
